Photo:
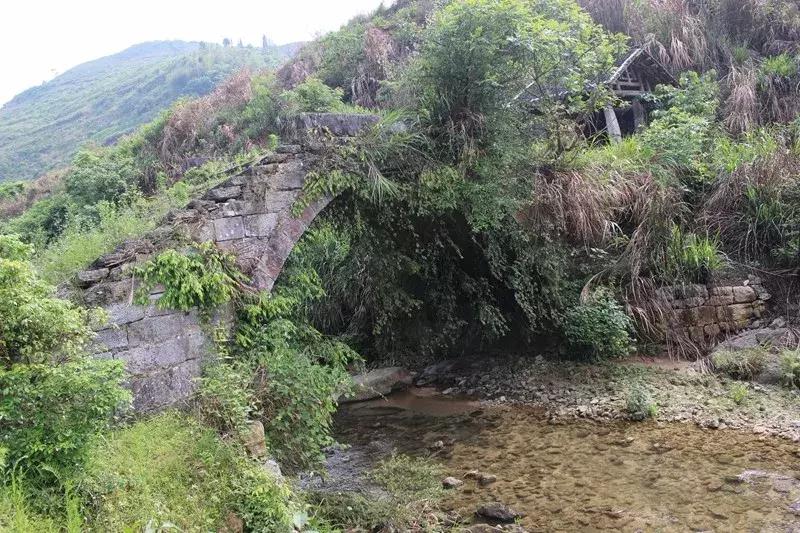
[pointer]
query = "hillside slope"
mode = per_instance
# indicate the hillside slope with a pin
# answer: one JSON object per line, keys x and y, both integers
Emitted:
{"x": 97, "y": 101}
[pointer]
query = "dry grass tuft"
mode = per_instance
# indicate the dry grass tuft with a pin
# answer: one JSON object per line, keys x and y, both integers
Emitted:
{"x": 741, "y": 107}
{"x": 191, "y": 120}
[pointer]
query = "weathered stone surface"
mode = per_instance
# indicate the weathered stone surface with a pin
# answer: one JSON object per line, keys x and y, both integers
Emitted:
{"x": 226, "y": 229}
{"x": 153, "y": 330}
{"x": 744, "y": 295}
{"x": 682, "y": 292}
{"x": 254, "y": 440}
{"x": 164, "y": 355}
{"x": 337, "y": 124}
{"x": 451, "y": 483}
{"x": 260, "y": 225}
{"x": 112, "y": 338}
{"x": 379, "y": 382}
{"x": 124, "y": 313}
{"x": 90, "y": 277}
{"x": 156, "y": 391}
{"x": 220, "y": 194}
{"x": 498, "y": 512}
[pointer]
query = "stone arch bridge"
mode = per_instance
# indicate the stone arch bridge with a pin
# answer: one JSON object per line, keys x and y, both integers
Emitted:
{"x": 249, "y": 215}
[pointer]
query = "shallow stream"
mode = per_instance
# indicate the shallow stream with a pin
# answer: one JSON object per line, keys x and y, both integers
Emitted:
{"x": 583, "y": 475}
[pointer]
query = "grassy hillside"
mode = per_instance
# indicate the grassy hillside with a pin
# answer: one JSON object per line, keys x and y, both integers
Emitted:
{"x": 41, "y": 128}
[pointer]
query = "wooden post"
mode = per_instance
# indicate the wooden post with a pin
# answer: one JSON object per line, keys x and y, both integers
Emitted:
{"x": 639, "y": 116}
{"x": 612, "y": 124}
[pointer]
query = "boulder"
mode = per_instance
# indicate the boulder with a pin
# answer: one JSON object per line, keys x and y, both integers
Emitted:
{"x": 499, "y": 512}
{"x": 451, "y": 483}
{"x": 379, "y": 382}
{"x": 255, "y": 441}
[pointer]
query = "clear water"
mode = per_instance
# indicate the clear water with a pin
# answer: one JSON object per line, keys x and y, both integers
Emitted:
{"x": 587, "y": 476}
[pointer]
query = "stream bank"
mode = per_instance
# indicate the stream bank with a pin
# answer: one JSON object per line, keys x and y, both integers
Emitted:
{"x": 567, "y": 389}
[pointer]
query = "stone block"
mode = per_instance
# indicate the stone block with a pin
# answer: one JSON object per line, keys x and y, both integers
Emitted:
{"x": 149, "y": 358}
{"x": 260, "y": 225}
{"x": 720, "y": 291}
{"x": 737, "y": 314}
{"x": 705, "y": 315}
{"x": 86, "y": 278}
{"x": 222, "y": 193}
{"x": 743, "y": 295}
{"x": 721, "y": 299}
{"x": 690, "y": 291}
{"x": 112, "y": 338}
{"x": 277, "y": 201}
{"x": 237, "y": 207}
{"x": 167, "y": 388}
{"x": 154, "y": 330}
{"x": 124, "y": 313}
{"x": 109, "y": 292}
{"x": 712, "y": 330}
{"x": 226, "y": 229}
{"x": 276, "y": 158}
{"x": 697, "y": 334}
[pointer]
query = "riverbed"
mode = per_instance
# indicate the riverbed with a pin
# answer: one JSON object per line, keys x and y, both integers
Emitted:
{"x": 582, "y": 475}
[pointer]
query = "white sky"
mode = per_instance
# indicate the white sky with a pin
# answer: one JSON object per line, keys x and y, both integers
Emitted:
{"x": 42, "y": 38}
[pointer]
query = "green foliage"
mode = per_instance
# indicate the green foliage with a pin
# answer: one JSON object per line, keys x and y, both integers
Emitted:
{"x": 741, "y": 364}
{"x": 692, "y": 258}
{"x": 35, "y": 327}
{"x": 299, "y": 373}
{"x": 203, "y": 278}
{"x": 790, "y": 368}
{"x": 50, "y": 415}
{"x": 738, "y": 393}
{"x": 18, "y": 515}
{"x": 11, "y": 189}
{"x": 640, "y": 404}
{"x": 100, "y": 175}
{"x": 171, "y": 470}
{"x": 313, "y": 96}
{"x": 599, "y": 327}
{"x": 478, "y": 55}
{"x": 680, "y": 133}
{"x": 83, "y": 241}
{"x": 224, "y": 398}
{"x": 779, "y": 66}
{"x": 412, "y": 484}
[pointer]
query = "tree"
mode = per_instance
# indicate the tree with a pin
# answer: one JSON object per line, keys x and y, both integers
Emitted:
{"x": 226, "y": 42}
{"x": 478, "y": 55}
{"x": 240, "y": 44}
{"x": 265, "y": 43}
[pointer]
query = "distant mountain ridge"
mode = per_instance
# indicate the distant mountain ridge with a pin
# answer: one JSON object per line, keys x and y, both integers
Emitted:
{"x": 42, "y": 127}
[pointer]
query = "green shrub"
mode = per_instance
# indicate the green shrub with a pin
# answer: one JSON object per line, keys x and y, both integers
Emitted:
{"x": 640, "y": 404}
{"x": 738, "y": 393}
{"x": 35, "y": 327}
{"x": 779, "y": 66}
{"x": 171, "y": 470}
{"x": 790, "y": 368}
{"x": 741, "y": 364}
{"x": 313, "y": 96}
{"x": 18, "y": 515}
{"x": 224, "y": 399}
{"x": 100, "y": 175}
{"x": 599, "y": 328}
{"x": 203, "y": 278}
{"x": 50, "y": 415}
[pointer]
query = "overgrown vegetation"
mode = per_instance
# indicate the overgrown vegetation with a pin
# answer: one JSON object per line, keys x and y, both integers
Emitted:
{"x": 479, "y": 214}
{"x": 741, "y": 364}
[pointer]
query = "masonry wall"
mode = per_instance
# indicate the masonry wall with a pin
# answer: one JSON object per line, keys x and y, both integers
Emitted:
{"x": 706, "y": 314}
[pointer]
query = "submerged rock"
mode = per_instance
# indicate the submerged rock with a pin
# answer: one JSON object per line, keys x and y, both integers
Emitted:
{"x": 498, "y": 511}
{"x": 379, "y": 382}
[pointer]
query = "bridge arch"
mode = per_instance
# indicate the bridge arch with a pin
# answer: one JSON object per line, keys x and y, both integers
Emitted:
{"x": 250, "y": 215}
